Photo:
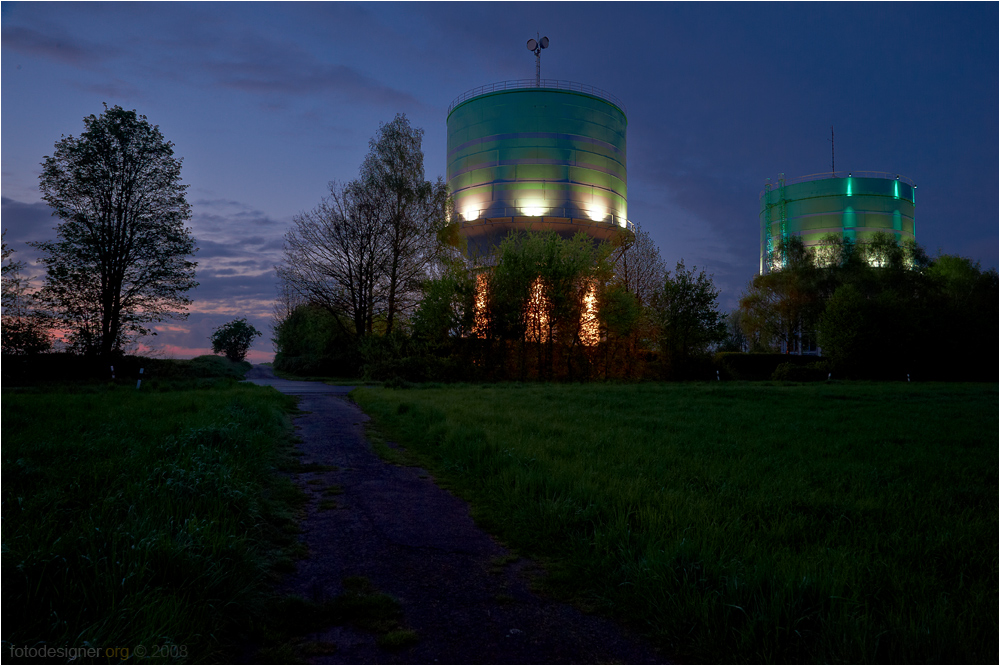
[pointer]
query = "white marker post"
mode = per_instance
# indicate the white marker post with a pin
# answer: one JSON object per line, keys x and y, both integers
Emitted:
{"x": 139, "y": 383}
{"x": 112, "y": 372}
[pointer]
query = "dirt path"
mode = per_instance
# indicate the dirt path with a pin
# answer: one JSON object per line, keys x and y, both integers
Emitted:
{"x": 418, "y": 543}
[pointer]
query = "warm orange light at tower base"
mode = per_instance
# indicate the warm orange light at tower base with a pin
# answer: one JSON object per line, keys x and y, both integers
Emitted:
{"x": 590, "y": 329}
{"x": 536, "y": 313}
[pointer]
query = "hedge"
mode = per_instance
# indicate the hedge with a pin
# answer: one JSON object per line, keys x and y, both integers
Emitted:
{"x": 739, "y": 365}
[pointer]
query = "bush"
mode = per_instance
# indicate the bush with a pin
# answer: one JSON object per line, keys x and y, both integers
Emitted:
{"x": 234, "y": 339}
{"x": 311, "y": 341}
{"x": 791, "y": 372}
{"x": 738, "y": 365}
{"x": 397, "y": 357}
{"x": 690, "y": 368}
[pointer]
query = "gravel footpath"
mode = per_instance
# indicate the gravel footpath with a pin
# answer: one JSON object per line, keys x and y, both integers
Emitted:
{"x": 418, "y": 543}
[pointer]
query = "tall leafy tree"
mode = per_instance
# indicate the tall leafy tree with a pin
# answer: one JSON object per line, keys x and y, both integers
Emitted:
{"x": 283, "y": 307}
{"x": 780, "y": 309}
{"x": 123, "y": 255}
{"x": 849, "y": 331}
{"x": 363, "y": 253}
{"x": 688, "y": 318}
{"x": 899, "y": 312}
{"x": 539, "y": 283}
{"x": 447, "y": 309}
{"x": 542, "y": 294}
{"x": 964, "y": 303}
{"x": 310, "y": 341}
{"x": 623, "y": 321}
{"x": 414, "y": 209}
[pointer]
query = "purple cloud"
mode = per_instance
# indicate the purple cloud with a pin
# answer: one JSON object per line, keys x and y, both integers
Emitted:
{"x": 59, "y": 47}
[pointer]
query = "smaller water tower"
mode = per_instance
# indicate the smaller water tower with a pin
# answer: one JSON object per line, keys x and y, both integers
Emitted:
{"x": 853, "y": 205}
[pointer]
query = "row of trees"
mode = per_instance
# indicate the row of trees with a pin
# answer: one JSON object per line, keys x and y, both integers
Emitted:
{"x": 375, "y": 274}
{"x": 363, "y": 252}
{"x": 380, "y": 252}
{"x": 879, "y": 308}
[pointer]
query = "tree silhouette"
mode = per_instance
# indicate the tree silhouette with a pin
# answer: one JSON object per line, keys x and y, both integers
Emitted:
{"x": 688, "y": 317}
{"x": 24, "y": 329}
{"x": 364, "y": 251}
{"x": 122, "y": 258}
{"x": 414, "y": 210}
{"x": 234, "y": 339}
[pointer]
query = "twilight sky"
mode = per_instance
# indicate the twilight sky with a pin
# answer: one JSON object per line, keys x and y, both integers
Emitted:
{"x": 268, "y": 102}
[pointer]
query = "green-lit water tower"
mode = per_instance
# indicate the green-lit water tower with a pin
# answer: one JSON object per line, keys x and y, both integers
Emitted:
{"x": 537, "y": 154}
{"x": 853, "y": 205}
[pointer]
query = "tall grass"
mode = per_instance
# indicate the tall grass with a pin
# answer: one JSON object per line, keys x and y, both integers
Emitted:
{"x": 141, "y": 517}
{"x": 738, "y": 522}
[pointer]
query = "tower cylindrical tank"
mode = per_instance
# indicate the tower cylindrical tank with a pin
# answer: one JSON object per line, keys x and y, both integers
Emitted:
{"x": 853, "y": 205}
{"x": 547, "y": 157}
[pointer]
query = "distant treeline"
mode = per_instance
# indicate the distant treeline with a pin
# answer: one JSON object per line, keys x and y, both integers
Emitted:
{"x": 881, "y": 309}
{"x": 545, "y": 308}
{"x": 551, "y": 309}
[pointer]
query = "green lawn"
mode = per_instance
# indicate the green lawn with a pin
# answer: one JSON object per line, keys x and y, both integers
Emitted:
{"x": 738, "y": 522}
{"x": 144, "y": 517}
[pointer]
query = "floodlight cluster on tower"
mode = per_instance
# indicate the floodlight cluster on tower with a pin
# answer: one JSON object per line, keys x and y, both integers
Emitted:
{"x": 536, "y": 46}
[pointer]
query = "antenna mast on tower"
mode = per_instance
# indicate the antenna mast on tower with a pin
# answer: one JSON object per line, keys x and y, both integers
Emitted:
{"x": 536, "y": 46}
{"x": 833, "y": 161}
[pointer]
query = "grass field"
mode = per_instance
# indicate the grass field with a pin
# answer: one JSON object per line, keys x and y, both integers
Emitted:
{"x": 149, "y": 517}
{"x": 738, "y": 522}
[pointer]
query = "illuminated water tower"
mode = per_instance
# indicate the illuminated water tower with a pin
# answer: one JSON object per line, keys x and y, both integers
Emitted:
{"x": 539, "y": 154}
{"x": 852, "y": 205}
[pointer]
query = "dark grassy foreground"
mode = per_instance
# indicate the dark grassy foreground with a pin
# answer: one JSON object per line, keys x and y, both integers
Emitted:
{"x": 738, "y": 522}
{"x": 148, "y": 517}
